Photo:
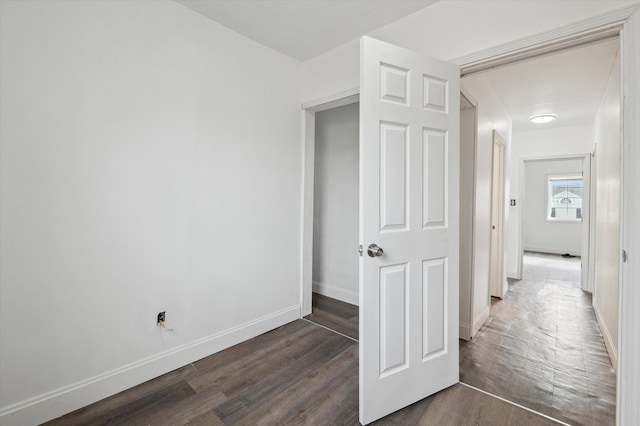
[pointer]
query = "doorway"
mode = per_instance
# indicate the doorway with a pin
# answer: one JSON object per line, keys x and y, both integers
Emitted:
{"x": 530, "y": 350}
{"x": 335, "y": 273}
{"x": 309, "y": 124}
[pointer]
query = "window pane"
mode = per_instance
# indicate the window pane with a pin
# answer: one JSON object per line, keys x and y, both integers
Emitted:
{"x": 564, "y": 199}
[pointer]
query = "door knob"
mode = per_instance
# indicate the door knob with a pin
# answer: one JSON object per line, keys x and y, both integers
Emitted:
{"x": 373, "y": 250}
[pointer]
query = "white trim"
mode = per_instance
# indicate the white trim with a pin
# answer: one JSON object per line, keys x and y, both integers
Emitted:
{"x": 581, "y": 32}
{"x": 338, "y": 293}
{"x": 53, "y": 404}
{"x": 336, "y": 100}
{"x": 464, "y": 331}
{"x": 608, "y": 341}
{"x": 514, "y": 404}
{"x": 628, "y": 391}
{"x": 309, "y": 110}
{"x": 308, "y": 173}
{"x": 551, "y": 250}
{"x": 480, "y": 320}
{"x": 587, "y": 222}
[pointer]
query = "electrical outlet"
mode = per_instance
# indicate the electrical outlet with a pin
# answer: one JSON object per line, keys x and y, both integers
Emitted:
{"x": 161, "y": 318}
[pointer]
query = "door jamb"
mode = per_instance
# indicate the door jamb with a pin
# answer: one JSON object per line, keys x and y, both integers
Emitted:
{"x": 523, "y": 202}
{"x": 309, "y": 110}
{"x": 466, "y": 330}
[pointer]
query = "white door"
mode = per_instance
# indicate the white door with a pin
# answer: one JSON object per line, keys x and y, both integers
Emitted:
{"x": 409, "y": 207}
{"x": 497, "y": 282}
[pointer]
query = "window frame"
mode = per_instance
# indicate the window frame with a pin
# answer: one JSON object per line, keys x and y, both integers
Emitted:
{"x": 549, "y": 196}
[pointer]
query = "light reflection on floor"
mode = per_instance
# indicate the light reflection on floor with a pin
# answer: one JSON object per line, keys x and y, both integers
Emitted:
{"x": 542, "y": 347}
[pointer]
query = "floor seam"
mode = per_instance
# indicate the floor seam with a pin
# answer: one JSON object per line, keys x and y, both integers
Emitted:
{"x": 516, "y": 404}
{"x": 330, "y": 329}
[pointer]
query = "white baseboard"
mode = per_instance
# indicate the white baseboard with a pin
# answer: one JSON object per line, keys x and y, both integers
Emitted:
{"x": 464, "y": 332}
{"x": 479, "y": 321}
{"x": 553, "y": 250}
{"x": 61, "y": 401}
{"x": 342, "y": 294}
{"x": 608, "y": 341}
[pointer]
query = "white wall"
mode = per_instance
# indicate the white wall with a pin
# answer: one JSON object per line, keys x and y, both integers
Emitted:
{"x": 608, "y": 208}
{"x": 492, "y": 115}
{"x": 151, "y": 161}
{"x": 535, "y": 144}
{"x": 541, "y": 234}
{"x": 335, "y": 206}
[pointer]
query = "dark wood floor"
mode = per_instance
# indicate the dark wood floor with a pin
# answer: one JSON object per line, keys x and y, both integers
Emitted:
{"x": 298, "y": 374}
{"x": 335, "y": 314}
{"x": 542, "y": 347}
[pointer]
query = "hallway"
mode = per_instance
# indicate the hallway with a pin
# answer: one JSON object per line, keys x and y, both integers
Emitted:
{"x": 542, "y": 347}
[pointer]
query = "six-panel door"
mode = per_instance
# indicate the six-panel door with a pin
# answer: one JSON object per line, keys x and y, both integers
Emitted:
{"x": 409, "y": 124}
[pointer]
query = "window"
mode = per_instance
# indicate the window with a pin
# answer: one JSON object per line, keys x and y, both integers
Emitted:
{"x": 564, "y": 198}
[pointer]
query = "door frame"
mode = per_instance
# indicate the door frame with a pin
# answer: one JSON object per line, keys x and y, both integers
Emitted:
{"x": 465, "y": 327}
{"x": 309, "y": 110}
{"x": 497, "y": 278}
{"x": 585, "y": 235}
{"x": 624, "y": 22}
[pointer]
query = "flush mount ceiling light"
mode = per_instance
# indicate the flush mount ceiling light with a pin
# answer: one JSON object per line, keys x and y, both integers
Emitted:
{"x": 542, "y": 118}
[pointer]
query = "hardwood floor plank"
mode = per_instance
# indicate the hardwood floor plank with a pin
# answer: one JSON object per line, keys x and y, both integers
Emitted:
{"x": 194, "y": 408}
{"x": 335, "y": 314}
{"x": 244, "y": 369}
{"x": 408, "y": 416}
{"x": 304, "y": 393}
{"x": 124, "y": 414}
{"x": 306, "y": 355}
{"x": 337, "y": 307}
{"x": 348, "y": 327}
{"x": 339, "y": 407}
{"x": 262, "y": 342}
{"x": 91, "y": 414}
{"x": 478, "y": 409}
{"x": 256, "y": 392}
{"x": 206, "y": 419}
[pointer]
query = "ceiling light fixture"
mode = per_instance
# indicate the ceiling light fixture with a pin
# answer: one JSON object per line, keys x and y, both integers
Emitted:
{"x": 542, "y": 118}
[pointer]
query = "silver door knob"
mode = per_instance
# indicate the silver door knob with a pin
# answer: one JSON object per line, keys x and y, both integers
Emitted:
{"x": 373, "y": 250}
